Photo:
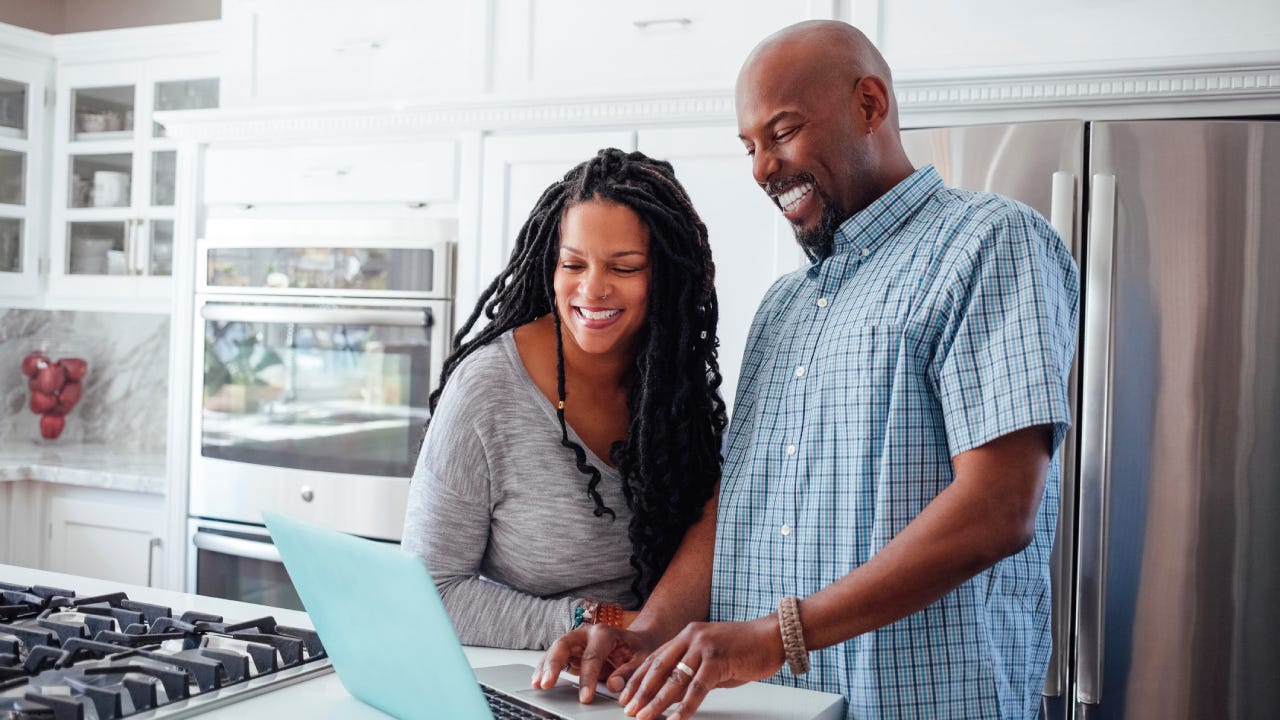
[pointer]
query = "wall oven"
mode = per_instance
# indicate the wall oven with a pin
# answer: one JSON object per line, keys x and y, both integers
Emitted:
{"x": 317, "y": 345}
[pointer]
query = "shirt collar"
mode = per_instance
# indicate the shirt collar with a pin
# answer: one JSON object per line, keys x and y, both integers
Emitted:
{"x": 869, "y": 227}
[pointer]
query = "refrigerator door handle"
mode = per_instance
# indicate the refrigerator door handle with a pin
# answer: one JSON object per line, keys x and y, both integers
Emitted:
{"x": 1095, "y": 453}
{"x": 1062, "y": 215}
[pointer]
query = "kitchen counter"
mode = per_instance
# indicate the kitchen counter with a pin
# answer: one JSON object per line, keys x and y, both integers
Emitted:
{"x": 323, "y": 697}
{"x": 85, "y": 465}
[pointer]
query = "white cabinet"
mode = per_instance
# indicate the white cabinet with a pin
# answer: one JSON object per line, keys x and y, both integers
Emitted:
{"x": 22, "y": 121}
{"x": 586, "y": 46}
{"x": 517, "y": 169}
{"x": 415, "y": 172}
{"x": 751, "y": 243}
{"x": 296, "y": 52}
{"x": 108, "y": 535}
{"x": 114, "y": 177}
{"x": 930, "y": 38}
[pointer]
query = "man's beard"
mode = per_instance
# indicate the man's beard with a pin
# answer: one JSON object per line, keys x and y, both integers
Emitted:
{"x": 819, "y": 242}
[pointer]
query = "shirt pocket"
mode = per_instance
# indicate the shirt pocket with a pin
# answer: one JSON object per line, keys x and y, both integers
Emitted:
{"x": 859, "y": 371}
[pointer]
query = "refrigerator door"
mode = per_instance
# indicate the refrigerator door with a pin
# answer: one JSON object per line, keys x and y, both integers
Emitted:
{"x": 1179, "y": 547}
{"x": 1042, "y": 165}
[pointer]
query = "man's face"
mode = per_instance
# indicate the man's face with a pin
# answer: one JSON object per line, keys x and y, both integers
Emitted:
{"x": 798, "y": 126}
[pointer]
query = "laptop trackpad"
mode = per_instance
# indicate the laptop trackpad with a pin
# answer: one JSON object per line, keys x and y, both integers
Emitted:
{"x": 563, "y": 700}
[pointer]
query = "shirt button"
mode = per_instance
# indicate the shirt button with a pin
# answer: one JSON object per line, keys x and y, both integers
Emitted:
{"x": 822, "y": 302}
{"x": 791, "y": 449}
{"x": 785, "y": 530}
{"x": 865, "y": 252}
{"x": 800, "y": 371}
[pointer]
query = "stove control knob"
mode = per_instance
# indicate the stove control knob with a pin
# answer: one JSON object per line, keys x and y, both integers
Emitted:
{"x": 307, "y": 493}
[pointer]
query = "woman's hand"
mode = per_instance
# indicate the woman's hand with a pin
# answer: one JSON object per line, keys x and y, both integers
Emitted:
{"x": 702, "y": 657}
{"x": 593, "y": 652}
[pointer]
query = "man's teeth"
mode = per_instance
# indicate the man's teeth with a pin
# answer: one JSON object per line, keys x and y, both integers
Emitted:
{"x": 789, "y": 199}
{"x": 598, "y": 314}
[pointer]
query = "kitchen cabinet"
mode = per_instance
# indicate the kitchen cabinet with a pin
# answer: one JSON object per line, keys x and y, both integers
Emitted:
{"x": 928, "y": 38}
{"x": 114, "y": 175}
{"x": 309, "y": 52}
{"x": 416, "y": 173}
{"x": 588, "y": 47}
{"x": 23, "y": 80}
{"x": 751, "y": 242}
{"x": 106, "y": 534}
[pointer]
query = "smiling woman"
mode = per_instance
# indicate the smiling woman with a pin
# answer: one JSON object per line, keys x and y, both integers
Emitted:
{"x": 576, "y": 437}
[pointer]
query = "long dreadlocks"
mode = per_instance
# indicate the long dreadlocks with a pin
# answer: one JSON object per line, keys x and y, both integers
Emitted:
{"x": 670, "y": 459}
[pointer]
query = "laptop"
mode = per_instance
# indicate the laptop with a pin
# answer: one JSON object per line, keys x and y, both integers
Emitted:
{"x": 381, "y": 660}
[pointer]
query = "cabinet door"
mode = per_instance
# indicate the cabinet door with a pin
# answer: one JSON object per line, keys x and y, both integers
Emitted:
{"x": 115, "y": 179}
{"x": 517, "y": 169}
{"x": 751, "y": 243}
{"x": 117, "y": 541}
{"x": 586, "y": 46}
{"x": 304, "y": 52}
{"x": 22, "y": 166}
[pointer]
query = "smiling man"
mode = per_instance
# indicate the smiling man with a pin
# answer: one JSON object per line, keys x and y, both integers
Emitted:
{"x": 889, "y": 494}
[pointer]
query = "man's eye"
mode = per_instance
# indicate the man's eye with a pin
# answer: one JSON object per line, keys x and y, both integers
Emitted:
{"x": 783, "y": 135}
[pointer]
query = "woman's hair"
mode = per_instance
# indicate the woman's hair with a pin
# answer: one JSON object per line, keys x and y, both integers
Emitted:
{"x": 670, "y": 458}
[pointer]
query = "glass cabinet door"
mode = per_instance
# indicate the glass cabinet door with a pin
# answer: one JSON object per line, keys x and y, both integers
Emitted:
{"x": 13, "y": 173}
{"x": 184, "y": 95}
{"x": 102, "y": 113}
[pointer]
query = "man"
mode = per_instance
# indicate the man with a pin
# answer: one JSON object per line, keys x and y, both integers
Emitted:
{"x": 893, "y": 458}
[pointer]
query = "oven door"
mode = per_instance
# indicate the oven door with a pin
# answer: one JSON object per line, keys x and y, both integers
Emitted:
{"x": 237, "y": 562}
{"x": 315, "y": 411}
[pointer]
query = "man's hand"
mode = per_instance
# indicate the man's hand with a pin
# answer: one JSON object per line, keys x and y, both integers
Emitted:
{"x": 593, "y": 652}
{"x": 713, "y": 655}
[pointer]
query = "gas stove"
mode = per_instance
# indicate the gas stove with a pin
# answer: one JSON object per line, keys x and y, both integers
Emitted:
{"x": 69, "y": 657}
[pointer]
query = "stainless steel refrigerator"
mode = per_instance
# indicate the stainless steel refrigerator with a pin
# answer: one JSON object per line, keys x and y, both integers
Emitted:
{"x": 1167, "y": 564}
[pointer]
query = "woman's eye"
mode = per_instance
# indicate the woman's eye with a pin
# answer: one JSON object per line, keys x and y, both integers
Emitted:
{"x": 570, "y": 266}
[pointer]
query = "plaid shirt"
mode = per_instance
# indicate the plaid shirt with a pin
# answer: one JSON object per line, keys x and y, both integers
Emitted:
{"x": 943, "y": 320}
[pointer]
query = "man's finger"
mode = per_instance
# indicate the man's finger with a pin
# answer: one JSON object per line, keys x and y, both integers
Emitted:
{"x": 618, "y": 679}
{"x": 671, "y": 691}
{"x": 655, "y": 677}
{"x": 700, "y": 684}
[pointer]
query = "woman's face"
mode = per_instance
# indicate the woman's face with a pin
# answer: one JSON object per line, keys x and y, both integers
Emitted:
{"x": 602, "y": 276}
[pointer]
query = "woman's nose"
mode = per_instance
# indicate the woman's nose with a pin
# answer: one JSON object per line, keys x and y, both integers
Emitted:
{"x": 595, "y": 284}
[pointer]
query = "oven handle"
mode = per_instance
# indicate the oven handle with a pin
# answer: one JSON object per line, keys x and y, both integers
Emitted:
{"x": 293, "y": 314}
{"x": 252, "y": 549}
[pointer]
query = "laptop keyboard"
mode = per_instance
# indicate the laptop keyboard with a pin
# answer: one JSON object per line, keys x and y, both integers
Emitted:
{"x": 505, "y": 707}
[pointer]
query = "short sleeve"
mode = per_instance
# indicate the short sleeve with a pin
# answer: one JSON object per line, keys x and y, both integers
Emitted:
{"x": 1004, "y": 356}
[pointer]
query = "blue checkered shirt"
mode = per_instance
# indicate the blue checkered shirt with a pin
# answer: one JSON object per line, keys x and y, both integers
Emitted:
{"x": 943, "y": 320}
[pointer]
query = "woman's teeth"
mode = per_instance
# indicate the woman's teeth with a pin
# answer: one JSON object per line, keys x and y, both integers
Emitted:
{"x": 789, "y": 199}
{"x": 598, "y": 314}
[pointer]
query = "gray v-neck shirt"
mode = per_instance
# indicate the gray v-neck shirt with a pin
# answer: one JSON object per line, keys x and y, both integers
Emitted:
{"x": 500, "y": 513}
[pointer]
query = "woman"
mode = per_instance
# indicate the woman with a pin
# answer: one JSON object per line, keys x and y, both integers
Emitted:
{"x": 576, "y": 437}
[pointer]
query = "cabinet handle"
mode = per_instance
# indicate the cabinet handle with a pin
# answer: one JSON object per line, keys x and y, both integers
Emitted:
{"x": 128, "y": 247}
{"x": 355, "y": 45}
{"x": 152, "y": 544}
{"x": 646, "y": 24}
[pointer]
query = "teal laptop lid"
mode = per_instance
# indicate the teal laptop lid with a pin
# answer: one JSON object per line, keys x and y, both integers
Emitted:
{"x": 381, "y": 621}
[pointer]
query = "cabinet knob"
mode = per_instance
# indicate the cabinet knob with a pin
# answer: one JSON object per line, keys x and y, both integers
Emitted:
{"x": 307, "y": 493}
{"x": 646, "y": 24}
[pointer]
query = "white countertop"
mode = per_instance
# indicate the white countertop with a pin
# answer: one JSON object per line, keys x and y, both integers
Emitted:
{"x": 324, "y": 697}
{"x": 86, "y": 465}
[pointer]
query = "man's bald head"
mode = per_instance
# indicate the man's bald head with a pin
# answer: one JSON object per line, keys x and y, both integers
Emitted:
{"x": 817, "y": 114}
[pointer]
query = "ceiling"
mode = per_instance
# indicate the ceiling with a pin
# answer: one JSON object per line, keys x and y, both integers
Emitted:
{"x": 70, "y": 16}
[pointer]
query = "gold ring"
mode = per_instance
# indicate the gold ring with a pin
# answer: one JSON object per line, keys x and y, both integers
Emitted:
{"x": 684, "y": 669}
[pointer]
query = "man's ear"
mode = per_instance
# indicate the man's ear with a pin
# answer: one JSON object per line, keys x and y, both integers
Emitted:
{"x": 871, "y": 103}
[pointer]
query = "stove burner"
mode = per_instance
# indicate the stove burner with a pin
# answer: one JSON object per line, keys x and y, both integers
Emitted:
{"x": 64, "y": 657}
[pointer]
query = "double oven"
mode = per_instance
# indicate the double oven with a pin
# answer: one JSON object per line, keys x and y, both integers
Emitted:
{"x": 317, "y": 345}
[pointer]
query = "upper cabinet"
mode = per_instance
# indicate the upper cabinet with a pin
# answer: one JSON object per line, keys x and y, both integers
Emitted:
{"x": 302, "y": 52}
{"x": 22, "y": 121}
{"x": 115, "y": 174}
{"x": 591, "y": 47}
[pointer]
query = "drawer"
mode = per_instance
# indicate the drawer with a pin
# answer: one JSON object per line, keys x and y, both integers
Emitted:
{"x": 586, "y": 46}
{"x": 417, "y": 172}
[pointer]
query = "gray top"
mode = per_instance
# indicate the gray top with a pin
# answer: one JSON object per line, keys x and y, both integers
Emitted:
{"x": 500, "y": 513}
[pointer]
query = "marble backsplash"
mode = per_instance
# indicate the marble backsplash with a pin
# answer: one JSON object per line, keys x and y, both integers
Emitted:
{"x": 126, "y": 390}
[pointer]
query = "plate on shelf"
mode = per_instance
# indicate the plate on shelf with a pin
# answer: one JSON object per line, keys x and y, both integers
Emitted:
{"x": 105, "y": 135}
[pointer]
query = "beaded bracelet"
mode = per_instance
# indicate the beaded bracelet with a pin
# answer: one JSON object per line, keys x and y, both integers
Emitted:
{"x": 591, "y": 612}
{"x": 792, "y": 635}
